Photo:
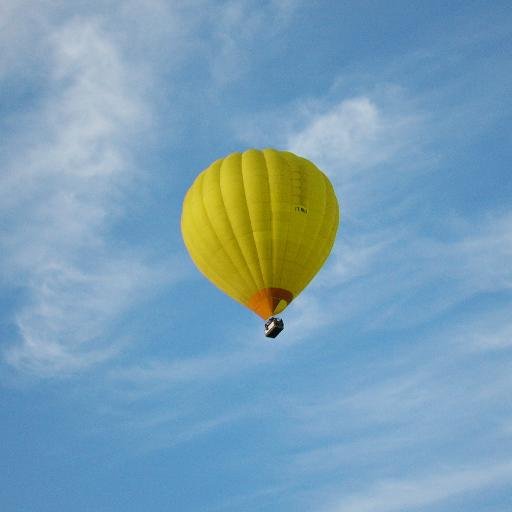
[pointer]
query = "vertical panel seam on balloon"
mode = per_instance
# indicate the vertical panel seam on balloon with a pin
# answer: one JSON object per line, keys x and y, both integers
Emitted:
{"x": 279, "y": 281}
{"x": 250, "y": 274}
{"x": 272, "y": 219}
{"x": 313, "y": 245}
{"x": 301, "y": 163}
{"x": 217, "y": 236}
{"x": 191, "y": 240}
{"x": 250, "y": 223}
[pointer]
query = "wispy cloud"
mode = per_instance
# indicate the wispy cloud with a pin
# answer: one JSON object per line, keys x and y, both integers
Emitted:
{"x": 353, "y": 135}
{"x": 410, "y": 494}
{"x": 167, "y": 373}
{"x": 240, "y": 28}
{"x": 190, "y": 430}
{"x": 494, "y": 333}
{"x": 61, "y": 194}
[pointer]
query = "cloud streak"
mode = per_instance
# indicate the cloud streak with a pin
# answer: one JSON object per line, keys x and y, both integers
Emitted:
{"x": 411, "y": 494}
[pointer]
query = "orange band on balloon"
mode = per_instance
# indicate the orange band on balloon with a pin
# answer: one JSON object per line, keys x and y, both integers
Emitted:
{"x": 265, "y": 302}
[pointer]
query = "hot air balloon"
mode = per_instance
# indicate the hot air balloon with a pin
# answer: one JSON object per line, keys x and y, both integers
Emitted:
{"x": 260, "y": 225}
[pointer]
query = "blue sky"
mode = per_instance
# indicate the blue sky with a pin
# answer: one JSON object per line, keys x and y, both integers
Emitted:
{"x": 129, "y": 383}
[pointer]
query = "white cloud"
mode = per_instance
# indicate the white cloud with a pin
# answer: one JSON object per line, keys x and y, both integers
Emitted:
{"x": 493, "y": 337}
{"x": 169, "y": 437}
{"x": 487, "y": 330}
{"x": 336, "y": 455}
{"x": 355, "y": 409}
{"x": 410, "y": 494}
{"x": 195, "y": 369}
{"x": 240, "y": 28}
{"x": 154, "y": 376}
{"x": 61, "y": 194}
{"x": 482, "y": 254}
{"x": 399, "y": 278}
{"x": 340, "y": 137}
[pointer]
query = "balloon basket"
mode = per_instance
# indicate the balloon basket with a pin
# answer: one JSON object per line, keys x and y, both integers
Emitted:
{"x": 273, "y": 326}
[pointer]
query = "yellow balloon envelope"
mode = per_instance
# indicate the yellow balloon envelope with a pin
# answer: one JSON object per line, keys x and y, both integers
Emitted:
{"x": 259, "y": 225}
